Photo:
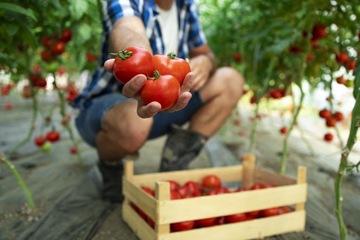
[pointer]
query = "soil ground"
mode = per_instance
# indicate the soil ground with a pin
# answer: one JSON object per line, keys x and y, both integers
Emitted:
{"x": 67, "y": 206}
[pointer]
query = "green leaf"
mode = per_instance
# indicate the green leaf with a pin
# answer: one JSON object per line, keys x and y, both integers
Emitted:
{"x": 12, "y": 29}
{"x": 78, "y": 8}
{"x": 17, "y": 9}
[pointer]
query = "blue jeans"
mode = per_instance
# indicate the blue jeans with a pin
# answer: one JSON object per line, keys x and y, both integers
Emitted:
{"x": 90, "y": 120}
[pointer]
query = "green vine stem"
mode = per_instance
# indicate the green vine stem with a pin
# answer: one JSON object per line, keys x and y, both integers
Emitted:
{"x": 354, "y": 126}
{"x": 287, "y": 135}
{"x": 19, "y": 179}
{"x": 32, "y": 123}
{"x": 63, "y": 114}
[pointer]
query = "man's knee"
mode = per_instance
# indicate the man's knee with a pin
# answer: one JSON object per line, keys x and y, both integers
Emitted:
{"x": 232, "y": 80}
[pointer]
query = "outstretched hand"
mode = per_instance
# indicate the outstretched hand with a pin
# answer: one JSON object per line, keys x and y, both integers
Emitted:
{"x": 132, "y": 90}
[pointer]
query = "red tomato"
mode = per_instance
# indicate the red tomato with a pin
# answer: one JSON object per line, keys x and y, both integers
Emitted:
{"x": 324, "y": 113}
{"x": 283, "y": 130}
{"x": 39, "y": 140}
{"x": 131, "y": 62}
{"x": 58, "y": 48}
{"x": 182, "y": 226}
{"x": 339, "y": 116}
{"x": 211, "y": 181}
{"x": 331, "y": 122}
{"x": 47, "y": 56}
{"x": 171, "y": 65}
{"x": 206, "y": 222}
{"x": 73, "y": 150}
{"x": 174, "y": 185}
{"x": 175, "y": 195}
{"x": 47, "y": 41}
{"x": 259, "y": 185}
{"x": 269, "y": 212}
{"x": 184, "y": 192}
{"x": 148, "y": 190}
{"x": 319, "y": 31}
{"x": 193, "y": 188}
{"x": 66, "y": 35}
{"x": 53, "y": 136}
{"x": 328, "y": 137}
{"x": 283, "y": 210}
{"x": 342, "y": 57}
{"x": 233, "y": 218}
{"x": 351, "y": 65}
{"x": 164, "y": 89}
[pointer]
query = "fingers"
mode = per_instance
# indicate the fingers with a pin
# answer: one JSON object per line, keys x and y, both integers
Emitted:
{"x": 132, "y": 87}
{"x": 183, "y": 100}
{"x": 109, "y": 65}
{"x": 150, "y": 110}
{"x": 188, "y": 82}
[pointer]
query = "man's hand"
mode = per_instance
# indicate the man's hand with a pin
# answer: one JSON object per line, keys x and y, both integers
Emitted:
{"x": 132, "y": 90}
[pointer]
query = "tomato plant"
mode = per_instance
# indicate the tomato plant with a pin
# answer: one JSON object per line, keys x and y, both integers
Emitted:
{"x": 170, "y": 64}
{"x": 164, "y": 89}
{"x": 131, "y": 62}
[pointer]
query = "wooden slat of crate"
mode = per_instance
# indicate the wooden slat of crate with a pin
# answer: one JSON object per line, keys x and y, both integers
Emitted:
{"x": 254, "y": 229}
{"x": 227, "y": 174}
{"x": 226, "y": 204}
{"x": 137, "y": 224}
{"x": 140, "y": 198}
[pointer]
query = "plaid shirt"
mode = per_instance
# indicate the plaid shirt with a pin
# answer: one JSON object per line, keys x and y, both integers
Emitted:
{"x": 190, "y": 36}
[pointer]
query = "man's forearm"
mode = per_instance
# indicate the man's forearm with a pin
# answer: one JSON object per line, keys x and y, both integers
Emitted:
{"x": 128, "y": 32}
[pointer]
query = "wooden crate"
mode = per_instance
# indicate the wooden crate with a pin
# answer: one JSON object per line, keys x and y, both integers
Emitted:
{"x": 164, "y": 211}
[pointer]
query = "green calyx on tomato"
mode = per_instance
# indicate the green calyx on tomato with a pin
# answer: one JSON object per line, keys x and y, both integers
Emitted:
{"x": 124, "y": 54}
{"x": 164, "y": 89}
{"x": 131, "y": 62}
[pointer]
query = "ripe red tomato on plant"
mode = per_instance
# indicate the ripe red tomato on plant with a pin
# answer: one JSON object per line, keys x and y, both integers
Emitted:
{"x": 328, "y": 137}
{"x": 170, "y": 64}
{"x": 53, "y": 136}
{"x": 351, "y": 65}
{"x": 66, "y": 35}
{"x": 164, "y": 89}
{"x": 211, "y": 181}
{"x": 182, "y": 226}
{"x": 237, "y": 57}
{"x": 130, "y": 62}
{"x": 330, "y": 122}
{"x": 342, "y": 57}
{"x": 47, "y": 56}
{"x": 339, "y": 116}
{"x": 39, "y": 140}
{"x": 325, "y": 113}
{"x": 73, "y": 150}
{"x": 340, "y": 80}
{"x": 283, "y": 130}
{"x": 58, "y": 48}
{"x": 47, "y": 41}
{"x": 319, "y": 31}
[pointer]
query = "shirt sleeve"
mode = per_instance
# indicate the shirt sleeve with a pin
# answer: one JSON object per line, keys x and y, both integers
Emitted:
{"x": 196, "y": 35}
{"x": 117, "y": 9}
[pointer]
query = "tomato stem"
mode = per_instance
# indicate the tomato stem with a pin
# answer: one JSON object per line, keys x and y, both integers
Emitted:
{"x": 67, "y": 125}
{"x": 172, "y": 55}
{"x": 123, "y": 55}
{"x": 19, "y": 179}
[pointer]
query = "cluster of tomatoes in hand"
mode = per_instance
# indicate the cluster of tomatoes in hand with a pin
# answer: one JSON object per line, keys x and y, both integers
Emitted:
{"x": 55, "y": 45}
{"x": 165, "y": 74}
{"x": 331, "y": 118}
{"x": 210, "y": 185}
